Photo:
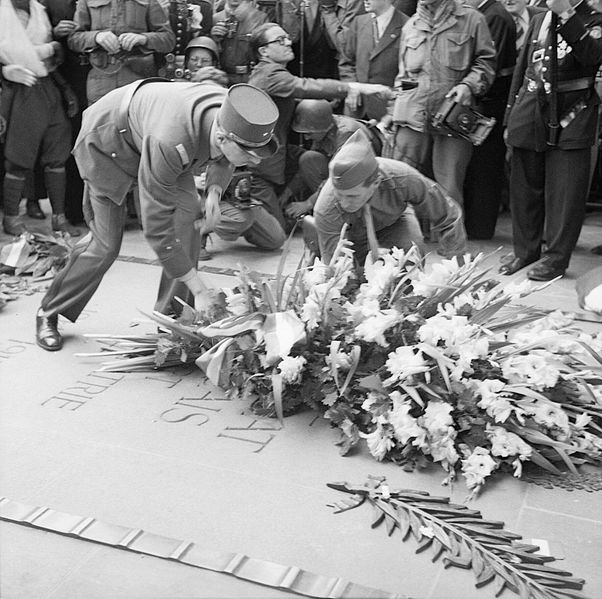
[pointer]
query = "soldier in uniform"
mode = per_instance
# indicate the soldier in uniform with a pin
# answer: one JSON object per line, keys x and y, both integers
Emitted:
{"x": 376, "y": 198}
{"x": 551, "y": 127}
{"x": 125, "y": 138}
{"x": 120, "y": 37}
{"x": 327, "y": 132}
{"x": 232, "y": 31}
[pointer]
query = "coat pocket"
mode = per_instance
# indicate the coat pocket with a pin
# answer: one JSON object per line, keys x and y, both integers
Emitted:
{"x": 458, "y": 51}
{"x": 100, "y": 14}
{"x": 136, "y": 12}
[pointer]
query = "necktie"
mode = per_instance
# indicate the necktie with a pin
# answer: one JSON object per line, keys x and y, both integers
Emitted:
{"x": 311, "y": 12}
{"x": 520, "y": 32}
{"x": 375, "y": 30}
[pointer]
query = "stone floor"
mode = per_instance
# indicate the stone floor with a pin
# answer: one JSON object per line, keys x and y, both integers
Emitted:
{"x": 166, "y": 453}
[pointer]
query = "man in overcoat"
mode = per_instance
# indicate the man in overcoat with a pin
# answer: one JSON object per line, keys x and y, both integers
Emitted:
{"x": 126, "y": 139}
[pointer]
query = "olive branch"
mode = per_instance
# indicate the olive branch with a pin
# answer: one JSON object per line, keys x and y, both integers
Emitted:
{"x": 463, "y": 538}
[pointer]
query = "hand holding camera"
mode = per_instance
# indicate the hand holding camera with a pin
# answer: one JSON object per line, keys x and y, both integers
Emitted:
{"x": 108, "y": 41}
{"x": 461, "y": 93}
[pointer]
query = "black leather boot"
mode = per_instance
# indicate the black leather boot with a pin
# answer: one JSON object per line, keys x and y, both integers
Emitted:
{"x": 47, "y": 332}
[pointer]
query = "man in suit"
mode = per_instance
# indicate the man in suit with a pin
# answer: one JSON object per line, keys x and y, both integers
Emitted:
{"x": 485, "y": 179}
{"x": 125, "y": 138}
{"x": 551, "y": 127}
{"x": 371, "y": 52}
{"x": 522, "y": 13}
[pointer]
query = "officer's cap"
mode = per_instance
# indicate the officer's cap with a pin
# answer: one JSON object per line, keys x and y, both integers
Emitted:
{"x": 354, "y": 163}
{"x": 248, "y": 117}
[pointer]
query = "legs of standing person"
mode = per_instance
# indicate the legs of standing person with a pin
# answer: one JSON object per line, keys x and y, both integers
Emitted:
{"x": 451, "y": 156}
{"x": 566, "y": 188}
{"x": 527, "y": 189}
{"x": 92, "y": 256}
{"x": 186, "y": 212}
{"x": 484, "y": 184}
{"x": 12, "y": 187}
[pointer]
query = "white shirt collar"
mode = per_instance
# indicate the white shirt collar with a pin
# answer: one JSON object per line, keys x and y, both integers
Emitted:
{"x": 384, "y": 19}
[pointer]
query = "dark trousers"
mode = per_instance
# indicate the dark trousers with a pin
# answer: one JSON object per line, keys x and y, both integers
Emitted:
{"x": 485, "y": 178}
{"x": 548, "y": 192}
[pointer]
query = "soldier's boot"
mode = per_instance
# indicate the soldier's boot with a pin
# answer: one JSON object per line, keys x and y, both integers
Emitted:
{"x": 13, "y": 190}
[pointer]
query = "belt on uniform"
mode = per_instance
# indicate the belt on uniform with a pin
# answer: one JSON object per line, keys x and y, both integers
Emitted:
{"x": 570, "y": 85}
{"x": 124, "y": 107}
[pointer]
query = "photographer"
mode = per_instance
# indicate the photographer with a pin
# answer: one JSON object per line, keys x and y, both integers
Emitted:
{"x": 445, "y": 52}
{"x": 232, "y": 31}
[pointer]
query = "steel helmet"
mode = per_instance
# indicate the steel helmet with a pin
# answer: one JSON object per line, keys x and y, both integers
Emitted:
{"x": 203, "y": 42}
{"x": 312, "y": 116}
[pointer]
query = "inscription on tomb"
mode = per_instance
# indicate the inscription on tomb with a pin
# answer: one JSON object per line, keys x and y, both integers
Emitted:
{"x": 12, "y": 347}
{"x": 77, "y": 395}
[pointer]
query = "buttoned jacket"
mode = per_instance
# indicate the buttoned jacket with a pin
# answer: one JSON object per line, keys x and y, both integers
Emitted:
{"x": 169, "y": 128}
{"x": 401, "y": 185}
{"x": 459, "y": 50}
{"x": 579, "y": 58}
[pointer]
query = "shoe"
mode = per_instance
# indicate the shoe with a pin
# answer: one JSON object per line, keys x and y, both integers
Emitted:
{"x": 61, "y": 225}
{"x": 34, "y": 210}
{"x": 545, "y": 272}
{"x": 513, "y": 265}
{"x": 47, "y": 333}
{"x": 13, "y": 225}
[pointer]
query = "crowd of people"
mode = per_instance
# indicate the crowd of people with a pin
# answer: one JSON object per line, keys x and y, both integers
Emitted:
{"x": 402, "y": 119}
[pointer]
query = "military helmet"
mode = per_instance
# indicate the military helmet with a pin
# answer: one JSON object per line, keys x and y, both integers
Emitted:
{"x": 312, "y": 116}
{"x": 203, "y": 42}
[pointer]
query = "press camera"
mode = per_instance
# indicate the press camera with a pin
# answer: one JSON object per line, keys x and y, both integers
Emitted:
{"x": 463, "y": 121}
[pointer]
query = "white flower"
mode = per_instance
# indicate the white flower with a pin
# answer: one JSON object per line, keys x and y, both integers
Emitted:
{"x": 505, "y": 443}
{"x": 404, "y": 425}
{"x": 534, "y": 369}
{"x": 550, "y": 415}
{"x": 317, "y": 274}
{"x": 380, "y": 275}
{"x": 454, "y": 331}
{"x": 582, "y": 421}
{"x": 497, "y": 406}
{"x": 337, "y": 359}
{"x": 437, "y": 417}
{"x": 477, "y": 467}
{"x": 236, "y": 302}
{"x": 379, "y": 441}
{"x": 370, "y": 400}
{"x": 291, "y": 369}
{"x": 443, "y": 450}
{"x": 441, "y": 273}
{"x": 372, "y": 330}
{"x": 404, "y": 363}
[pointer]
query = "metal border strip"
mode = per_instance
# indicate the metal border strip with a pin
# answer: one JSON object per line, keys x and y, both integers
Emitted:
{"x": 290, "y": 578}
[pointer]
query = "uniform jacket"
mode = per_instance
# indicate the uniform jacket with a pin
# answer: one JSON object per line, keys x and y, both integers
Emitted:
{"x": 344, "y": 127}
{"x": 401, "y": 185}
{"x": 234, "y": 51}
{"x": 339, "y": 20}
{"x": 369, "y": 61}
{"x": 170, "y": 124}
{"x": 579, "y": 57}
{"x": 284, "y": 88}
{"x": 460, "y": 50}
{"x": 121, "y": 16}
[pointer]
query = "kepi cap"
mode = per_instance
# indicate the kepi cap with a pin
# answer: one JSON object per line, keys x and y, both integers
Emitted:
{"x": 248, "y": 117}
{"x": 354, "y": 163}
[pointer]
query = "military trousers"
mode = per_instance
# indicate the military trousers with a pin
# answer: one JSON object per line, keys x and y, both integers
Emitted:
{"x": 548, "y": 193}
{"x": 441, "y": 157}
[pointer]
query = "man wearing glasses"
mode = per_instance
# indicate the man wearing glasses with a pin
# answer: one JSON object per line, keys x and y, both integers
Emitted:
{"x": 125, "y": 139}
{"x": 272, "y": 48}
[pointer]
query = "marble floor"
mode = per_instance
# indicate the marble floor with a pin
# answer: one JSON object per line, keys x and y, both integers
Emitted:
{"x": 167, "y": 453}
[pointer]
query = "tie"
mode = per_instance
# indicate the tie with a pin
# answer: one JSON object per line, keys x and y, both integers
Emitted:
{"x": 520, "y": 32}
{"x": 375, "y": 30}
{"x": 311, "y": 12}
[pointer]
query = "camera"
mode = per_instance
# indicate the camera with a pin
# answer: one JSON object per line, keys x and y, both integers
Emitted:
{"x": 463, "y": 121}
{"x": 174, "y": 68}
{"x": 231, "y": 26}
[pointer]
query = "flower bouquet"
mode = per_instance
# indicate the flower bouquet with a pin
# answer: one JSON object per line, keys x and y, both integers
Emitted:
{"x": 421, "y": 365}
